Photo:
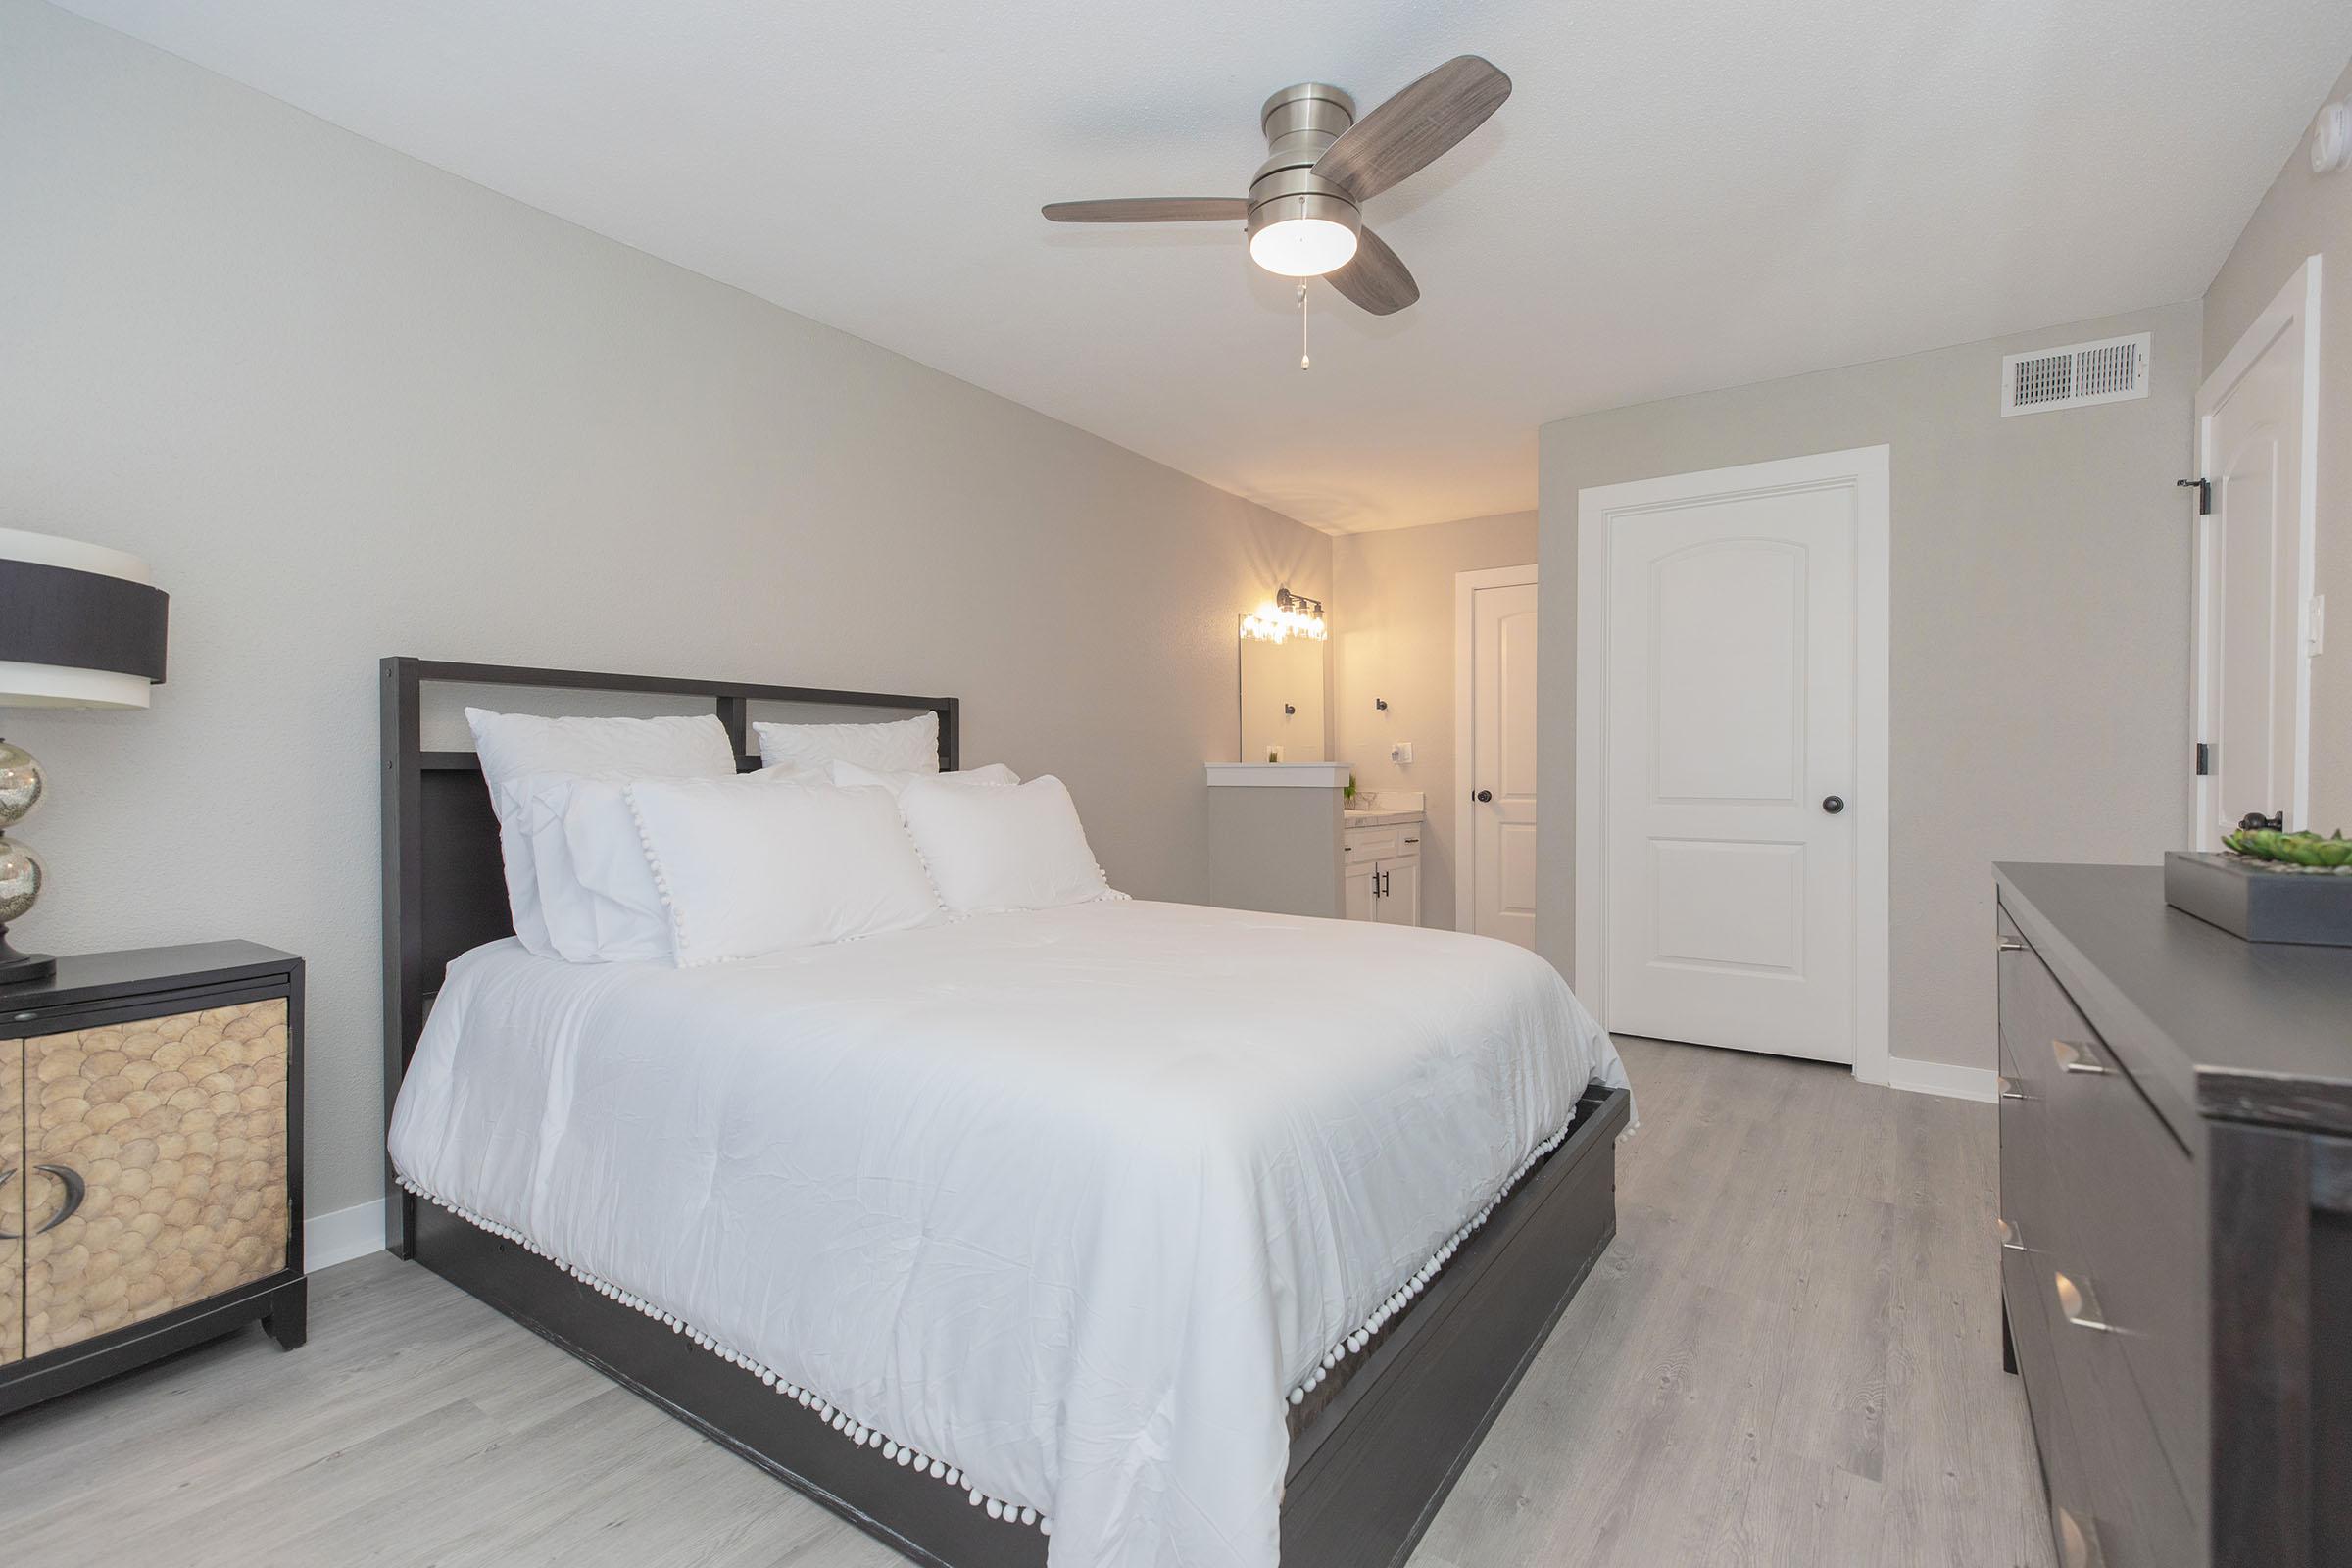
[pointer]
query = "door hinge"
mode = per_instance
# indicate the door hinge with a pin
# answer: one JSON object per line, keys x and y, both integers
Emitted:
{"x": 2204, "y": 489}
{"x": 2204, "y": 758}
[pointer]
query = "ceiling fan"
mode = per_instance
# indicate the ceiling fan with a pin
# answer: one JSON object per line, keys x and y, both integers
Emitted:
{"x": 1303, "y": 213}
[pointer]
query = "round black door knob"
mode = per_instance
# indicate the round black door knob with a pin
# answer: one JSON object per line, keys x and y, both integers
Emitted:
{"x": 1484, "y": 796}
{"x": 1833, "y": 804}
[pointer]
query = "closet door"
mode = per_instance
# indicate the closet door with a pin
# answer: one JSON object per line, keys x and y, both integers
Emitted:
{"x": 12, "y": 1201}
{"x": 158, "y": 1154}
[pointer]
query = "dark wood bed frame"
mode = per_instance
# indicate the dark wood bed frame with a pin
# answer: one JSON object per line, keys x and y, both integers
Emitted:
{"x": 1373, "y": 1453}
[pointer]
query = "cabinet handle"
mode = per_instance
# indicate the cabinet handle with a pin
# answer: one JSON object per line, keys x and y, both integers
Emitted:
{"x": 2007, "y": 945}
{"x": 2078, "y": 1542}
{"x": 76, "y": 1192}
{"x": 2078, "y": 1055}
{"x": 1412, "y": 840}
{"x": 2080, "y": 1304}
{"x": 2008, "y": 1087}
{"x": 2013, "y": 1239}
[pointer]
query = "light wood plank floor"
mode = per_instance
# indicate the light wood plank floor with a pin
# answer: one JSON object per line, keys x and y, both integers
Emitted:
{"x": 1790, "y": 1354}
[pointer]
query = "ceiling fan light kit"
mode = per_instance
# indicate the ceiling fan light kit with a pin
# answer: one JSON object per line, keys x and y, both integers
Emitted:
{"x": 1303, "y": 215}
{"x": 1302, "y": 224}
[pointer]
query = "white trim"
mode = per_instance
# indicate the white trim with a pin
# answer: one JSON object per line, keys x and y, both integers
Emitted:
{"x": 1942, "y": 1078}
{"x": 1283, "y": 775}
{"x": 1466, "y": 585}
{"x": 1868, "y": 469}
{"x": 340, "y": 1237}
{"x": 2297, "y": 302}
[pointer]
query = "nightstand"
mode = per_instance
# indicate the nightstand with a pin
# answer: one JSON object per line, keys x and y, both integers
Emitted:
{"x": 150, "y": 1160}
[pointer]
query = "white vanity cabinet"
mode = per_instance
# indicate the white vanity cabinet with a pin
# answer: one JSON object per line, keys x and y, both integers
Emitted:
{"x": 1381, "y": 871}
{"x": 1280, "y": 839}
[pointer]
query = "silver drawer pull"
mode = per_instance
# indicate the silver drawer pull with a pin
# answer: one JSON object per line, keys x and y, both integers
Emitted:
{"x": 2008, "y": 1087}
{"x": 2076, "y": 1056}
{"x": 2008, "y": 945}
{"x": 2080, "y": 1305}
{"x": 2013, "y": 1239}
{"x": 2078, "y": 1542}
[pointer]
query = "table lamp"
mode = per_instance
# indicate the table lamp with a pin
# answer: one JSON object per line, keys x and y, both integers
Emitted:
{"x": 80, "y": 626}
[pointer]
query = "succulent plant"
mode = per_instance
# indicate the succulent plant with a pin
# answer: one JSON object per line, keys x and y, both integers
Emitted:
{"x": 2329, "y": 854}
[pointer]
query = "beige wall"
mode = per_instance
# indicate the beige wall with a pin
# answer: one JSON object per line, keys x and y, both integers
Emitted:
{"x": 1393, "y": 603}
{"x": 351, "y": 406}
{"x": 2310, "y": 215}
{"x": 2040, "y": 670}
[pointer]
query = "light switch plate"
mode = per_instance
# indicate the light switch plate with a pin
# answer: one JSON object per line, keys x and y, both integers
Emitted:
{"x": 1401, "y": 752}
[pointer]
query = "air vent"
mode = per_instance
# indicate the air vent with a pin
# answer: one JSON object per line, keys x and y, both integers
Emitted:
{"x": 2114, "y": 370}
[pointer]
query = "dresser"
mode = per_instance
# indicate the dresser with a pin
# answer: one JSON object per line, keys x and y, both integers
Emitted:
{"x": 150, "y": 1160}
{"x": 2176, "y": 1224}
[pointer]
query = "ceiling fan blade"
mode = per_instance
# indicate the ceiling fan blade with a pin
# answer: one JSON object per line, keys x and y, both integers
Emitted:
{"x": 1152, "y": 210}
{"x": 1375, "y": 279}
{"x": 1412, "y": 129}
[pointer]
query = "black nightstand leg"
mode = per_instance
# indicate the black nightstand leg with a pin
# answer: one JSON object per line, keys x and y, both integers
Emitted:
{"x": 288, "y": 1319}
{"x": 2008, "y": 1344}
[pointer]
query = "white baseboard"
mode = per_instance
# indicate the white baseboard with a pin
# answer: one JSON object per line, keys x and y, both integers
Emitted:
{"x": 340, "y": 1237}
{"x": 1941, "y": 1078}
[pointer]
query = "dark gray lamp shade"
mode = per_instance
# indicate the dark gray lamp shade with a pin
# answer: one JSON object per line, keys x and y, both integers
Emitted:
{"x": 81, "y": 625}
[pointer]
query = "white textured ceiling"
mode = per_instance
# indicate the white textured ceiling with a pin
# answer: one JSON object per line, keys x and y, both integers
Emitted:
{"x": 1678, "y": 196}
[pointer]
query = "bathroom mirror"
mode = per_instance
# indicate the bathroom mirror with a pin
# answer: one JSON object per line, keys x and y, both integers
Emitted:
{"x": 1282, "y": 700}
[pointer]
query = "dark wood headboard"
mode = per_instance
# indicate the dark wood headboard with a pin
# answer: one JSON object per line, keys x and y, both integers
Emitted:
{"x": 445, "y": 887}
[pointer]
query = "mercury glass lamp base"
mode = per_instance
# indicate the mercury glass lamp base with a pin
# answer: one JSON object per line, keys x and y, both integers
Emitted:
{"x": 17, "y": 968}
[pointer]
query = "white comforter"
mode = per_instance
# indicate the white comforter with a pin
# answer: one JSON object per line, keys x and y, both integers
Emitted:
{"x": 1067, "y": 1198}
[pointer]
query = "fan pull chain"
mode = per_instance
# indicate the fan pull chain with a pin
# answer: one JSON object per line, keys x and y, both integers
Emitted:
{"x": 1304, "y": 361}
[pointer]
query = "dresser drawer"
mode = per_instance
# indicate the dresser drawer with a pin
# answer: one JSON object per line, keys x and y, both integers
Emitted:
{"x": 2023, "y": 1289}
{"x": 2131, "y": 1235}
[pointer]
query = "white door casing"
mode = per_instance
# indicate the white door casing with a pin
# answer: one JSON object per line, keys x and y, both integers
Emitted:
{"x": 1494, "y": 722}
{"x": 2258, "y": 447}
{"x": 1732, "y": 668}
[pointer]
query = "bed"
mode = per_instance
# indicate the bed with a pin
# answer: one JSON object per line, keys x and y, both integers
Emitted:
{"x": 1194, "y": 1233}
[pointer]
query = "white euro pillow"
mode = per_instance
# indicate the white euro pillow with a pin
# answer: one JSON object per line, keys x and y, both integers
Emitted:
{"x": 1002, "y": 847}
{"x": 851, "y": 774}
{"x": 744, "y": 867}
{"x": 901, "y": 746}
{"x": 596, "y": 894}
{"x": 516, "y": 747}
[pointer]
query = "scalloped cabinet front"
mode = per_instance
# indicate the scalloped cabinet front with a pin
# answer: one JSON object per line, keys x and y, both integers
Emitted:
{"x": 12, "y": 1201}
{"x": 155, "y": 1169}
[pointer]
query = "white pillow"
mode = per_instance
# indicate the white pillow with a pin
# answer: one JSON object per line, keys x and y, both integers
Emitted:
{"x": 1016, "y": 847}
{"x": 516, "y": 746}
{"x": 850, "y": 774}
{"x": 903, "y": 746}
{"x": 746, "y": 867}
{"x": 595, "y": 893}
{"x": 512, "y": 745}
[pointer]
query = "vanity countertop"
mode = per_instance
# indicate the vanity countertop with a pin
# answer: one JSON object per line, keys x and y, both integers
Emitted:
{"x": 1387, "y": 807}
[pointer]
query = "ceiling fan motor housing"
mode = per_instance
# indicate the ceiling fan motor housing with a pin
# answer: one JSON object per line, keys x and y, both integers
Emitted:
{"x": 1299, "y": 122}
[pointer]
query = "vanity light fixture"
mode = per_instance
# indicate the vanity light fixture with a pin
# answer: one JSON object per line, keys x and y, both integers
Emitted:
{"x": 1286, "y": 615}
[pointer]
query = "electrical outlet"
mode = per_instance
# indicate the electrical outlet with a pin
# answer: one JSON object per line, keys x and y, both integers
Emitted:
{"x": 1401, "y": 752}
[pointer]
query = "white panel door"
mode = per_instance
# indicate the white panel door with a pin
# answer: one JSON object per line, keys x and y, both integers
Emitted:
{"x": 1500, "y": 856}
{"x": 2251, "y": 574}
{"x": 1730, "y": 693}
